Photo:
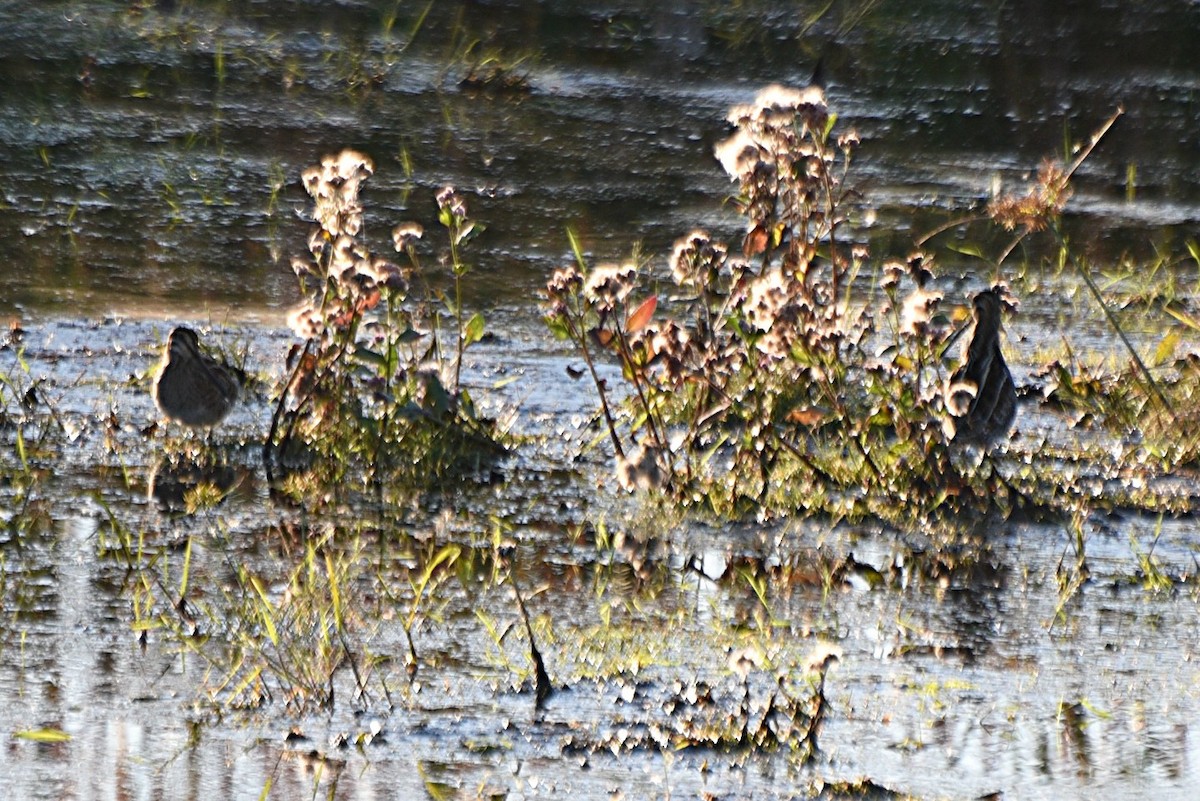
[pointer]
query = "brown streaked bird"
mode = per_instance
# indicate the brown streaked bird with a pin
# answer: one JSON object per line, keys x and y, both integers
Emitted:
{"x": 981, "y": 396}
{"x": 193, "y": 388}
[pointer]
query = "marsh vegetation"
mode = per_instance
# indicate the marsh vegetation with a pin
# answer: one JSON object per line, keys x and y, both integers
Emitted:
{"x": 595, "y": 433}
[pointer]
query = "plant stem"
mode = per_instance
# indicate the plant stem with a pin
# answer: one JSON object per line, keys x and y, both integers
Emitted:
{"x": 1151, "y": 384}
{"x": 581, "y": 338}
{"x": 458, "y": 311}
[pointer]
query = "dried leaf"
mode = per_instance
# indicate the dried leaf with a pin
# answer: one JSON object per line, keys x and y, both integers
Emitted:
{"x": 368, "y": 301}
{"x": 602, "y": 336}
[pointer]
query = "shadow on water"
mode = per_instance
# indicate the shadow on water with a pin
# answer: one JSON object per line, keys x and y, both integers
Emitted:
{"x": 175, "y": 629}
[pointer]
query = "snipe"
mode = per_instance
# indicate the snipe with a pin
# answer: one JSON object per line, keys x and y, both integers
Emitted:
{"x": 981, "y": 396}
{"x": 192, "y": 388}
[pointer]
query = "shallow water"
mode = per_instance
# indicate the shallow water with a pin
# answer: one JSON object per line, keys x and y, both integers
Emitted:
{"x": 141, "y": 194}
{"x": 140, "y": 173}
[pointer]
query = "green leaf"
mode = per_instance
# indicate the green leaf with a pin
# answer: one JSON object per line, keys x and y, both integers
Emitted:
{"x": 365, "y": 355}
{"x": 437, "y": 399}
{"x": 558, "y": 327}
{"x": 466, "y": 406}
{"x": 440, "y": 791}
{"x": 411, "y": 412}
{"x": 266, "y": 610}
{"x": 42, "y": 735}
{"x": 474, "y": 330}
{"x": 1183, "y": 317}
{"x": 968, "y": 249}
{"x": 470, "y": 230}
{"x": 577, "y": 249}
{"x": 448, "y": 553}
{"x": 408, "y": 336}
{"x": 187, "y": 569}
{"x": 833, "y": 118}
{"x": 335, "y": 595}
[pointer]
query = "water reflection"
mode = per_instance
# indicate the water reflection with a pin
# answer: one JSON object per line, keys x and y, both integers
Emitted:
{"x": 176, "y": 484}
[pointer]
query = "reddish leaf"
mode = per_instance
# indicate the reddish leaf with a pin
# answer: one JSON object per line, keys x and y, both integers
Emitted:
{"x": 755, "y": 243}
{"x": 806, "y": 416}
{"x": 642, "y": 314}
{"x": 602, "y": 336}
{"x": 368, "y": 301}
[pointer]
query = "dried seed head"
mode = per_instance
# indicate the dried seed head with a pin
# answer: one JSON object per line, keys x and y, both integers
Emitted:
{"x": 609, "y": 284}
{"x": 384, "y": 273}
{"x": 917, "y": 311}
{"x": 448, "y": 198}
{"x": 696, "y": 260}
{"x": 740, "y": 155}
{"x": 305, "y": 320}
{"x": 405, "y": 235}
{"x": 893, "y": 271}
{"x": 1043, "y": 202}
{"x": 959, "y": 395}
{"x": 565, "y": 282}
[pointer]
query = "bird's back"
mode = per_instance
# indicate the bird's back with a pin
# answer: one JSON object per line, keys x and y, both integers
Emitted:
{"x": 192, "y": 388}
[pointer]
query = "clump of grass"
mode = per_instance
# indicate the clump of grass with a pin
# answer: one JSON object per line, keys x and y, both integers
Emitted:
{"x": 489, "y": 71}
{"x": 295, "y": 638}
{"x": 375, "y": 388}
{"x": 482, "y": 66}
{"x": 30, "y": 432}
{"x": 290, "y": 645}
{"x": 1158, "y": 395}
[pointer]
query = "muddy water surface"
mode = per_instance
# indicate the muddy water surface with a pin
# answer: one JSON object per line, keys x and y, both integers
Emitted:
{"x": 150, "y": 154}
